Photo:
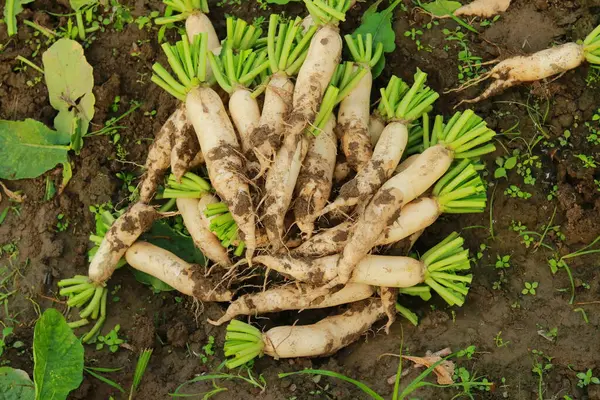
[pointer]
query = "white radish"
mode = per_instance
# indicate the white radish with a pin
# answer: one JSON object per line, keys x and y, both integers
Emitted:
{"x": 244, "y": 342}
{"x": 175, "y": 272}
{"x": 198, "y": 23}
{"x": 315, "y": 179}
{"x": 223, "y": 159}
{"x": 203, "y": 238}
{"x": 159, "y": 154}
{"x": 122, "y": 234}
{"x": 184, "y": 149}
{"x": 483, "y": 8}
{"x": 376, "y": 127}
{"x": 245, "y": 114}
{"x": 291, "y": 297}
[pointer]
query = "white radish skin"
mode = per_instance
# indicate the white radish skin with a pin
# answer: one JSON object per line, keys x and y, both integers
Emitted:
{"x": 534, "y": 67}
{"x": 245, "y": 114}
{"x": 376, "y": 127}
{"x": 388, "y": 297}
{"x": 415, "y": 216}
{"x": 313, "y": 78}
{"x": 159, "y": 154}
{"x": 325, "y": 337}
{"x": 184, "y": 149}
{"x": 203, "y": 238}
{"x": 390, "y": 271}
{"x": 223, "y": 159}
{"x": 200, "y": 23}
{"x": 266, "y": 138}
{"x": 483, "y": 8}
{"x": 381, "y": 166}
{"x": 175, "y": 272}
{"x": 122, "y": 234}
{"x": 386, "y": 205}
{"x": 353, "y": 123}
{"x": 341, "y": 171}
{"x": 316, "y": 178}
{"x": 406, "y": 163}
{"x": 291, "y": 297}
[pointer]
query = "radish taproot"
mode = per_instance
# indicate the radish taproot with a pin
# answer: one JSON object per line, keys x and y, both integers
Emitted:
{"x": 465, "y": 135}
{"x": 291, "y": 297}
{"x": 354, "y": 112}
{"x": 121, "y": 235}
{"x": 175, "y": 272}
{"x": 287, "y": 48}
{"x": 483, "y": 8}
{"x": 214, "y": 129}
{"x": 243, "y": 342}
{"x": 185, "y": 150}
{"x": 537, "y": 66}
{"x": 401, "y": 106}
{"x": 436, "y": 268}
{"x": 313, "y": 79}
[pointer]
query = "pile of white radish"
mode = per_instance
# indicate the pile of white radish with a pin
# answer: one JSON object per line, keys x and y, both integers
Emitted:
{"x": 269, "y": 196}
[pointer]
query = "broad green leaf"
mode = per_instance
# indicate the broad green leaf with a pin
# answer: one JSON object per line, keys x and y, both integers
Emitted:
{"x": 15, "y": 384}
{"x": 77, "y": 4}
{"x": 29, "y": 148}
{"x": 162, "y": 235}
{"x": 11, "y": 10}
{"x": 58, "y": 357}
{"x": 379, "y": 24}
{"x": 70, "y": 81}
{"x": 510, "y": 163}
{"x": 441, "y": 8}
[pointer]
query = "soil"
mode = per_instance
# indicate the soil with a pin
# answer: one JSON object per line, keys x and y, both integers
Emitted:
{"x": 176, "y": 327}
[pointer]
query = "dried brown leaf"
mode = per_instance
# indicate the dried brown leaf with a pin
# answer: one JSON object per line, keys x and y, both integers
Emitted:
{"x": 443, "y": 371}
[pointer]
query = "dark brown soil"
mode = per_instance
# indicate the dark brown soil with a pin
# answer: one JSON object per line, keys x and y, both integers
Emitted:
{"x": 176, "y": 327}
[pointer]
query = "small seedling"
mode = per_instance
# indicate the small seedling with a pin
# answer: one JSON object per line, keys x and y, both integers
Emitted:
{"x": 588, "y": 161}
{"x": 111, "y": 340}
{"x": 499, "y": 341}
{"x": 530, "y": 288}
{"x": 586, "y": 378}
{"x": 62, "y": 224}
{"x": 515, "y": 192}
{"x": 504, "y": 164}
{"x": 541, "y": 365}
{"x": 6, "y": 332}
{"x": 502, "y": 261}
{"x": 553, "y": 193}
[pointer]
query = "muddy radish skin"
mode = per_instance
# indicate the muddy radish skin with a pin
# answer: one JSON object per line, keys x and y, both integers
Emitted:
{"x": 316, "y": 178}
{"x": 325, "y": 337}
{"x": 353, "y": 122}
{"x": 122, "y": 234}
{"x": 313, "y": 78}
{"x": 175, "y": 272}
{"x": 184, "y": 150}
{"x": 266, "y": 139}
{"x": 385, "y": 207}
{"x": 389, "y": 271}
{"x": 415, "y": 216}
{"x": 534, "y": 67}
{"x": 159, "y": 154}
{"x": 376, "y": 127}
{"x": 245, "y": 115}
{"x": 386, "y": 157}
{"x": 223, "y": 159}
{"x": 483, "y": 8}
{"x": 203, "y": 238}
{"x": 291, "y": 297}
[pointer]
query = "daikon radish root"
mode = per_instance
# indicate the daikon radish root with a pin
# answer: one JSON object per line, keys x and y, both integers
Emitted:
{"x": 185, "y": 150}
{"x": 401, "y": 106}
{"x": 353, "y": 115}
{"x": 464, "y": 136}
{"x": 216, "y": 135}
{"x": 376, "y": 127}
{"x": 175, "y": 272}
{"x": 483, "y": 8}
{"x": 122, "y": 234}
{"x": 436, "y": 268}
{"x": 313, "y": 79}
{"x": 287, "y": 48}
{"x": 291, "y": 297}
{"x": 236, "y": 74}
{"x": 316, "y": 177}
{"x": 159, "y": 154}
{"x": 243, "y": 342}
{"x": 196, "y": 21}
{"x": 537, "y": 66}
